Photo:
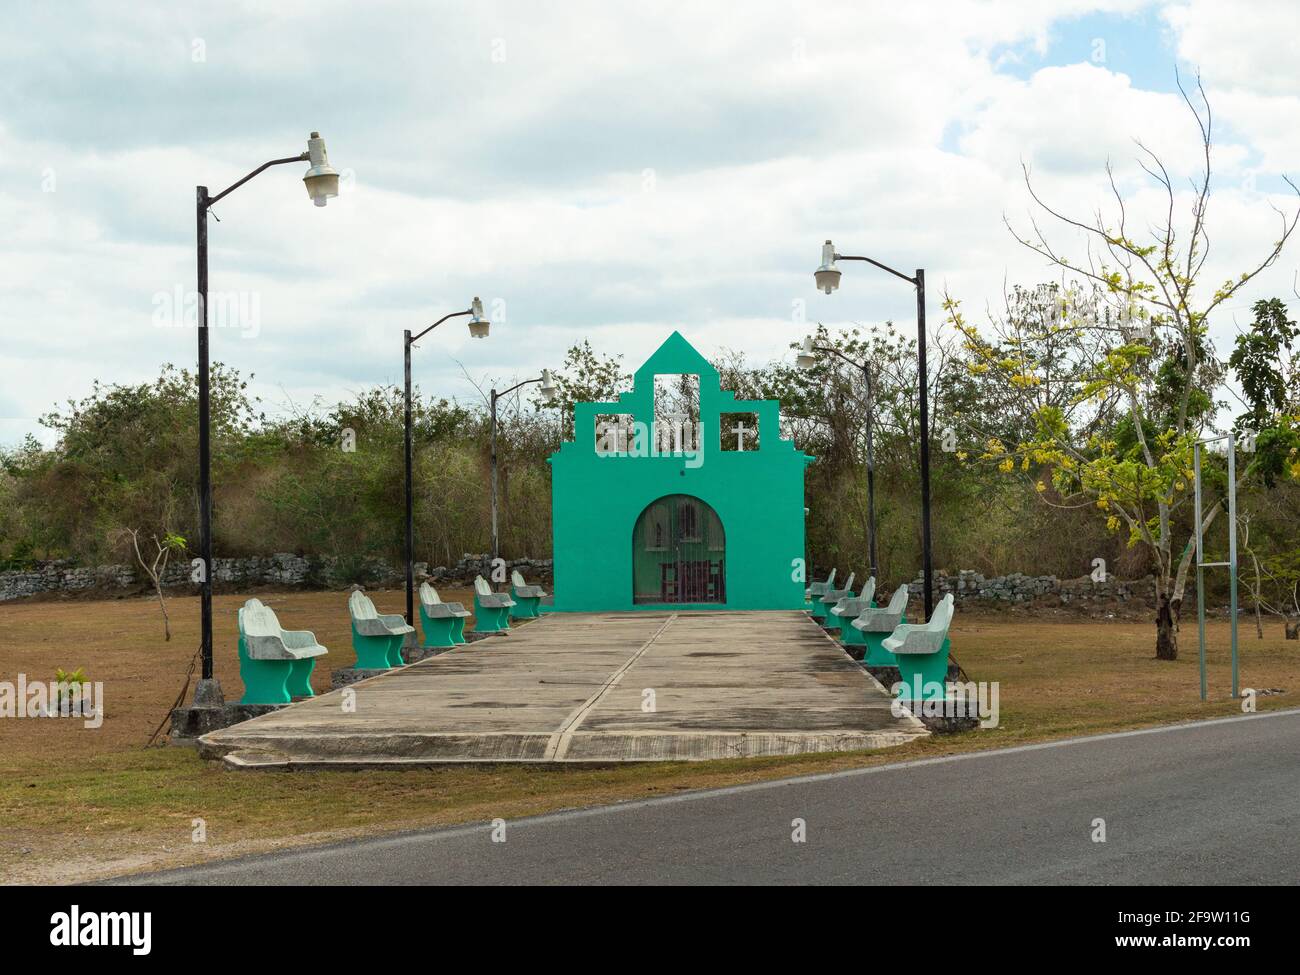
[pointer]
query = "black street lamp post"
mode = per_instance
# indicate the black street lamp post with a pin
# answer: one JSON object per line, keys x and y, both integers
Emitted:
{"x": 322, "y": 182}
{"x": 828, "y": 279}
{"x": 478, "y": 328}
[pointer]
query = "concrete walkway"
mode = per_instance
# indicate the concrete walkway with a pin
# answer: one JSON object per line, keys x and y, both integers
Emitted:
{"x": 592, "y": 687}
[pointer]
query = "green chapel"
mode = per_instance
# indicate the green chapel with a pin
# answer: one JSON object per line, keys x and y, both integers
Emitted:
{"x": 698, "y": 509}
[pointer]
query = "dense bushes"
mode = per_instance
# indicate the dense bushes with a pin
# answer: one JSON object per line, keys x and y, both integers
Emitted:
{"x": 329, "y": 482}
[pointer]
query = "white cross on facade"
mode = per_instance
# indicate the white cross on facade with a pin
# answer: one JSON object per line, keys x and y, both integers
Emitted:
{"x": 740, "y": 430}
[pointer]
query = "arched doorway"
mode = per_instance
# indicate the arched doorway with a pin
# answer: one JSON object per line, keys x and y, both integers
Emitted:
{"x": 678, "y": 553}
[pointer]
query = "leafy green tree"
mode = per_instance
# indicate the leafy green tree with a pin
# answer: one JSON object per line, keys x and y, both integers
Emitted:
{"x": 586, "y": 377}
{"x": 1266, "y": 369}
{"x": 126, "y": 458}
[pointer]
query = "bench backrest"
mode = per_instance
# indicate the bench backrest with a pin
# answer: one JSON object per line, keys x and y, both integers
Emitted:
{"x": 260, "y": 620}
{"x": 517, "y": 579}
{"x": 248, "y": 604}
{"x": 898, "y": 602}
{"x": 942, "y": 615}
{"x": 428, "y": 595}
{"x": 830, "y": 579}
{"x": 361, "y": 607}
{"x": 868, "y": 591}
{"x": 481, "y": 587}
{"x": 849, "y": 585}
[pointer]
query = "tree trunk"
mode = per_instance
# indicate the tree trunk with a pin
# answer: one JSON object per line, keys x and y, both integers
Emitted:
{"x": 167, "y": 623}
{"x": 1166, "y": 626}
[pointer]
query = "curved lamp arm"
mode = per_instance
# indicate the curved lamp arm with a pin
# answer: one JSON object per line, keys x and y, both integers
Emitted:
{"x": 302, "y": 157}
{"x": 884, "y": 267}
{"x": 456, "y": 314}
{"x": 524, "y": 382}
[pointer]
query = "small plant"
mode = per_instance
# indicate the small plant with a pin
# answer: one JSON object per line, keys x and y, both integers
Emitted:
{"x": 171, "y": 543}
{"x": 64, "y": 681}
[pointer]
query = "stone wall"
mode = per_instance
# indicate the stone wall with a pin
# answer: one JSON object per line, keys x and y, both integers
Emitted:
{"x": 62, "y": 576}
{"x": 285, "y": 569}
{"x": 968, "y": 586}
{"x": 281, "y": 569}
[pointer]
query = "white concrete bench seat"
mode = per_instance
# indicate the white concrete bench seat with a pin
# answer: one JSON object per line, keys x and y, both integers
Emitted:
{"x": 851, "y": 607}
{"x": 377, "y": 638}
{"x": 922, "y": 651}
{"x": 922, "y": 638}
{"x": 848, "y": 609}
{"x": 822, "y": 606}
{"x": 275, "y": 664}
{"x": 265, "y": 639}
{"x": 491, "y": 609}
{"x": 883, "y": 620}
{"x": 816, "y": 590}
{"x": 528, "y": 599}
{"x": 874, "y": 624}
{"x": 522, "y": 588}
{"x": 444, "y": 623}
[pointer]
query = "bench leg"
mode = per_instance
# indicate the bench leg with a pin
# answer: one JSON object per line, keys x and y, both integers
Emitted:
{"x": 877, "y": 655}
{"x": 299, "y": 682}
{"x": 395, "y": 650}
{"x": 372, "y": 651}
{"x": 439, "y": 632}
{"x": 850, "y": 635}
{"x": 924, "y": 672}
{"x": 458, "y": 630}
{"x": 265, "y": 681}
{"x": 490, "y": 619}
{"x": 525, "y": 607}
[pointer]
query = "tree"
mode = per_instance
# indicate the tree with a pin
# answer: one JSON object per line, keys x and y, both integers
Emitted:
{"x": 155, "y": 565}
{"x": 126, "y": 458}
{"x": 586, "y": 377}
{"x": 1269, "y": 377}
{"x": 1149, "y": 357}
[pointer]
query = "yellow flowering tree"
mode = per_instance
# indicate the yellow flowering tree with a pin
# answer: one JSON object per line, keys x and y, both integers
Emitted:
{"x": 1115, "y": 381}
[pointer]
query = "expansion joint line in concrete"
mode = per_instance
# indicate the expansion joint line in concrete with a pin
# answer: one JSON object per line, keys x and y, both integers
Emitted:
{"x": 558, "y": 746}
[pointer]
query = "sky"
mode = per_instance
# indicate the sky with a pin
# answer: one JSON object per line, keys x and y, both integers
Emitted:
{"x": 601, "y": 171}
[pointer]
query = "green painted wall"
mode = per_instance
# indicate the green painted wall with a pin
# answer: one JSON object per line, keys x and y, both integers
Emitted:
{"x": 757, "y": 494}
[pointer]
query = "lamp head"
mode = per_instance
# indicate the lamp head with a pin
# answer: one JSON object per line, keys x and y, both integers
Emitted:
{"x": 478, "y": 325}
{"x": 548, "y": 387}
{"x": 322, "y": 180}
{"x": 807, "y": 357}
{"x": 827, "y": 275}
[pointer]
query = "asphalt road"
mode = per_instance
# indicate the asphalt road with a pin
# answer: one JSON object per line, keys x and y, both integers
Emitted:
{"x": 1209, "y": 803}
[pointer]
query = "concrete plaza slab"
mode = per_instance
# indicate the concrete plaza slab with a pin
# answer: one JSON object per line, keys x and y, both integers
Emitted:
{"x": 593, "y": 688}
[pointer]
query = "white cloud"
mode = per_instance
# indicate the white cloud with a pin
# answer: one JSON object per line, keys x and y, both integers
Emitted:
{"x": 767, "y": 129}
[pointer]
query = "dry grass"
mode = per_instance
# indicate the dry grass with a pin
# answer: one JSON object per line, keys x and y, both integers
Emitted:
{"x": 78, "y": 803}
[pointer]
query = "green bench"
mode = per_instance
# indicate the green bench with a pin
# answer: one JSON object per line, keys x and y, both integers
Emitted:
{"x": 922, "y": 653}
{"x": 377, "y": 639}
{"x": 822, "y": 607}
{"x": 275, "y": 664}
{"x": 849, "y": 609}
{"x": 443, "y": 623}
{"x": 875, "y": 625}
{"x": 491, "y": 609}
{"x": 527, "y": 598}
{"x": 816, "y": 590}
